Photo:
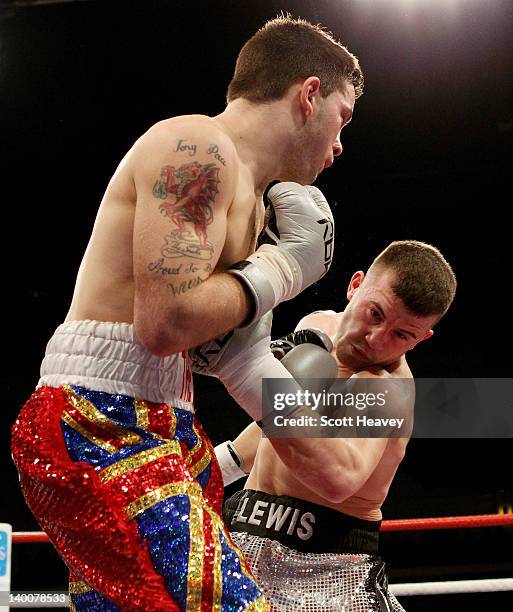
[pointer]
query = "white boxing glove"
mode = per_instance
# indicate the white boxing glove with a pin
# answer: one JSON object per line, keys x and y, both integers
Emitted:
{"x": 243, "y": 357}
{"x": 303, "y": 251}
{"x": 240, "y": 359}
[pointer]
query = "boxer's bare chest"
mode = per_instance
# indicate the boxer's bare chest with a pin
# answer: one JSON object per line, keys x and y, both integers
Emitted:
{"x": 244, "y": 222}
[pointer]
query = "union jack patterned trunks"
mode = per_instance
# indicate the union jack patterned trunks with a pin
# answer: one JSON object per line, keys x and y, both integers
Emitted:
{"x": 128, "y": 489}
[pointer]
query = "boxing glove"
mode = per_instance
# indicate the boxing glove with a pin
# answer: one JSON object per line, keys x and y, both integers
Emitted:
{"x": 243, "y": 357}
{"x": 240, "y": 359}
{"x": 282, "y": 346}
{"x": 302, "y": 252}
{"x": 305, "y": 354}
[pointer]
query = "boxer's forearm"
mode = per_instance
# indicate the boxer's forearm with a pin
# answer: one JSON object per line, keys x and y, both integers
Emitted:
{"x": 246, "y": 444}
{"x": 169, "y": 325}
{"x": 333, "y": 468}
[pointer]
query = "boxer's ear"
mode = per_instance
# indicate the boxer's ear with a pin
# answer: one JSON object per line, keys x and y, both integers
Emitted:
{"x": 307, "y": 95}
{"x": 355, "y": 283}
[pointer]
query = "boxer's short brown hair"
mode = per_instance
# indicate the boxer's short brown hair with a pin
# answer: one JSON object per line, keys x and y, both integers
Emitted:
{"x": 285, "y": 51}
{"x": 424, "y": 281}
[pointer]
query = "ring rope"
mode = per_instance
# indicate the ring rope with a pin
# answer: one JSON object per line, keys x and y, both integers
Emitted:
{"x": 448, "y": 522}
{"x": 409, "y": 588}
{"x": 451, "y": 587}
{"x": 443, "y": 522}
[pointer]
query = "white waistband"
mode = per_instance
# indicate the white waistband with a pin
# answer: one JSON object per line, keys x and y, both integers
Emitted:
{"x": 108, "y": 357}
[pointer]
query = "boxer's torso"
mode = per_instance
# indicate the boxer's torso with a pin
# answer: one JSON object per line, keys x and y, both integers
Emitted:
{"x": 104, "y": 290}
{"x": 271, "y": 475}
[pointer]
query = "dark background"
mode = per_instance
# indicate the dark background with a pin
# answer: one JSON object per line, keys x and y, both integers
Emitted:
{"x": 427, "y": 156}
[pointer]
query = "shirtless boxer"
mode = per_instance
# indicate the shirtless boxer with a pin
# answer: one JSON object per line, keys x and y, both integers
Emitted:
{"x": 112, "y": 461}
{"x": 309, "y": 551}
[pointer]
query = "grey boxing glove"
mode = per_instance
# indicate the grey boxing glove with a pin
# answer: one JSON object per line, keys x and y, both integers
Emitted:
{"x": 284, "y": 345}
{"x": 243, "y": 357}
{"x": 306, "y": 355}
{"x": 302, "y": 252}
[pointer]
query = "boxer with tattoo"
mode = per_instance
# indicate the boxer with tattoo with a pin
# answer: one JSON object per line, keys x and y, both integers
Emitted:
{"x": 112, "y": 461}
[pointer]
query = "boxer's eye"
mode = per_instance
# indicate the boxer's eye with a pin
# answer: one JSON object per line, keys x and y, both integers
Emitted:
{"x": 375, "y": 314}
{"x": 401, "y": 335}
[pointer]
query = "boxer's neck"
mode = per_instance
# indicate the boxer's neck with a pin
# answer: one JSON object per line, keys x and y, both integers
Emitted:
{"x": 261, "y": 135}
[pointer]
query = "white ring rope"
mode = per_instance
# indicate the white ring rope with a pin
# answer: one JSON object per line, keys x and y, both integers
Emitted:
{"x": 399, "y": 590}
{"x": 453, "y": 586}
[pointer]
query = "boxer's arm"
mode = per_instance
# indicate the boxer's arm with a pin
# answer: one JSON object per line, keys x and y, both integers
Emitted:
{"x": 236, "y": 458}
{"x": 246, "y": 445}
{"x": 183, "y": 197}
{"x": 320, "y": 319}
{"x": 333, "y": 468}
{"x": 336, "y": 468}
{"x": 334, "y": 471}
{"x": 303, "y": 352}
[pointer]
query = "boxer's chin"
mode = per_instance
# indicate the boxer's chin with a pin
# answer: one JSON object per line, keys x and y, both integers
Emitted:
{"x": 302, "y": 176}
{"x": 349, "y": 358}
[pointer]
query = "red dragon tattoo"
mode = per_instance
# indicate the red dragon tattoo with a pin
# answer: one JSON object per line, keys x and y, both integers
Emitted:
{"x": 193, "y": 187}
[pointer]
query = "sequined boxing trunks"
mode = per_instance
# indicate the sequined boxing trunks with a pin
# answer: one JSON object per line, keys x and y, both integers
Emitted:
{"x": 128, "y": 489}
{"x": 307, "y": 557}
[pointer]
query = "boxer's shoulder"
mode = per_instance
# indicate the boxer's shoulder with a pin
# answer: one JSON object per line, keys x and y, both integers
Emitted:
{"x": 200, "y": 122}
{"x": 190, "y": 149}
{"x": 325, "y": 320}
{"x": 192, "y": 137}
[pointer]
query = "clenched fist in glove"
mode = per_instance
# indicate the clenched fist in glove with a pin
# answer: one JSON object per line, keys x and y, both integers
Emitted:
{"x": 302, "y": 252}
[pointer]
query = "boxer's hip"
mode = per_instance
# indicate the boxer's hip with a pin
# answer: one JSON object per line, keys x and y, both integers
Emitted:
{"x": 308, "y": 557}
{"x": 119, "y": 440}
{"x": 299, "y": 524}
{"x": 324, "y": 582}
{"x": 108, "y": 357}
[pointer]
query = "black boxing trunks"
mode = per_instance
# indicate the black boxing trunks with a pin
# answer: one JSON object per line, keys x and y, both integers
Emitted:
{"x": 308, "y": 557}
{"x": 299, "y": 524}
